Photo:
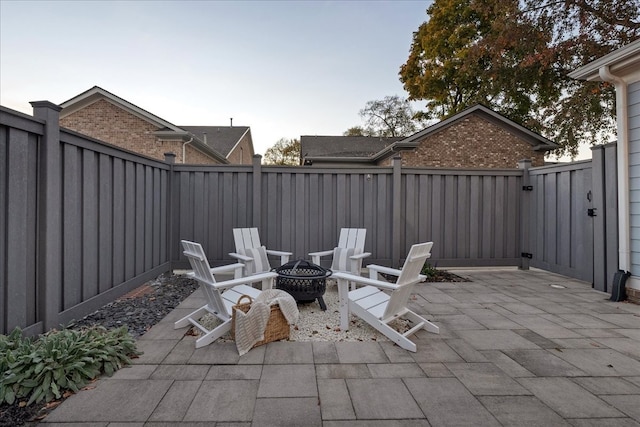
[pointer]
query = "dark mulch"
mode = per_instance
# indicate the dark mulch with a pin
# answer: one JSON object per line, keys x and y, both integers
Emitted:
{"x": 434, "y": 276}
{"x": 445, "y": 276}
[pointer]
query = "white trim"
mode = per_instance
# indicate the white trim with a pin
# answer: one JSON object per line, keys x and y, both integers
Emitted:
{"x": 622, "y": 61}
{"x": 633, "y": 282}
{"x": 624, "y": 252}
{"x": 238, "y": 143}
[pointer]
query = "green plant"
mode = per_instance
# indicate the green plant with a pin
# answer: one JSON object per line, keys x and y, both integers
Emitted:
{"x": 428, "y": 270}
{"x": 59, "y": 361}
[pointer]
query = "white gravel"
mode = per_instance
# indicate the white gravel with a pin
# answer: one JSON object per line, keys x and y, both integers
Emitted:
{"x": 317, "y": 325}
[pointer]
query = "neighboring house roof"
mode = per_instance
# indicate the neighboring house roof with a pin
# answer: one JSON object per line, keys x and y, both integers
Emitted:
{"x": 373, "y": 149}
{"x": 344, "y": 147}
{"x": 221, "y": 140}
{"x": 224, "y": 138}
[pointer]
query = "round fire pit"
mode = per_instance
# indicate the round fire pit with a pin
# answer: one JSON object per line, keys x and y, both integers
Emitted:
{"x": 303, "y": 280}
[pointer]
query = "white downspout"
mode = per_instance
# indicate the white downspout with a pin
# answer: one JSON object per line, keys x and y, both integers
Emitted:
{"x": 184, "y": 150}
{"x": 624, "y": 245}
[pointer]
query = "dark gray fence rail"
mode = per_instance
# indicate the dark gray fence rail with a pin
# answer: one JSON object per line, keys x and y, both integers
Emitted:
{"x": 84, "y": 222}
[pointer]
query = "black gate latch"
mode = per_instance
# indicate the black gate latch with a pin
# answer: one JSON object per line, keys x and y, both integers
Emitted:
{"x": 591, "y": 212}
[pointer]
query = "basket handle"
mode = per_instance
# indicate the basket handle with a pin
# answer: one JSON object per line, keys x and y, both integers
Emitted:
{"x": 243, "y": 296}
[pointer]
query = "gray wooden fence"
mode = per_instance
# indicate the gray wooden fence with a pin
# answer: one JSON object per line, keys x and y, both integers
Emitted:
{"x": 473, "y": 215}
{"x": 572, "y": 218}
{"x": 83, "y": 222}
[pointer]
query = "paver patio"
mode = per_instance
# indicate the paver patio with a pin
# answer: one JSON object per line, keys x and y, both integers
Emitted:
{"x": 512, "y": 351}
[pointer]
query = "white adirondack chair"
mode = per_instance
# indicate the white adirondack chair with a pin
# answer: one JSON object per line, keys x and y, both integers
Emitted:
{"x": 220, "y": 296}
{"x": 349, "y": 253}
{"x": 376, "y": 307}
{"x": 247, "y": 242}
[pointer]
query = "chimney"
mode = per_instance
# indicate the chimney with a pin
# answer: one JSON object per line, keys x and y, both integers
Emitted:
{"x": 204, "y": 134}
{"x": 231, "y": 122}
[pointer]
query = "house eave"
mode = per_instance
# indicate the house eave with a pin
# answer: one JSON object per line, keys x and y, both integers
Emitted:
{"x": 621, "y": 62}
{"x": 187, "y": 137}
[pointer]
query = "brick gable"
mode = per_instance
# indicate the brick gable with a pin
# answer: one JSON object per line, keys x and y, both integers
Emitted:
{"x": 472, "y": 142}
{"x": 109, "y": 123}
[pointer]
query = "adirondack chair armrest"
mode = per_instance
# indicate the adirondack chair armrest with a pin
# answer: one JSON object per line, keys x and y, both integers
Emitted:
{"x": 223, "y": 269}
{"x": 278, "y": 253}
{"x": 315, "y": 256}
{"x": 236, "y": 268}
{"x": 363, "y": 280}
{"x": 374, "y": 270}
{"x": 359, "y": 256}
{"x": 284, "y": 256}
{"x": 226, "y": 268}
{"x": 241, "y": 257}
{"x": 321, "y": 253}
{"x": 245, "y": 280}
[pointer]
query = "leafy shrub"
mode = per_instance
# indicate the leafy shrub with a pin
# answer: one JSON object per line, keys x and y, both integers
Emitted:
{"x": 429, "y": 271}
{"x": 59, "y": 360}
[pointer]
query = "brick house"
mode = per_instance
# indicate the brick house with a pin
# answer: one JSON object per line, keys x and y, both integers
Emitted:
{"x": 109, "y": 118}
{"x": 477, "y": 137}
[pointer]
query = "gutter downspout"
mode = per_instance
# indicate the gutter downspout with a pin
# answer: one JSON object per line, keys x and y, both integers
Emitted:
{"x": 624, "y": 253}
{"x": 184, "y": 150}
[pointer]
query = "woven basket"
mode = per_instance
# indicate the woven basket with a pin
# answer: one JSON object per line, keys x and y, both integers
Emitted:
{"x": 277, "y": 327}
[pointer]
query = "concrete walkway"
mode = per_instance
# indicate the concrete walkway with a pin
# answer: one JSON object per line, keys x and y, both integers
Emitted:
{"x": 516, "y": 348}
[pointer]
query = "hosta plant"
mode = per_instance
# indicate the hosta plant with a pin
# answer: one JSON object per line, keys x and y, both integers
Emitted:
{"x": 57, "y": 361}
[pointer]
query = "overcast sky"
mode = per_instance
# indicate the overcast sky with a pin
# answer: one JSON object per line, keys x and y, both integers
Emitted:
{"x": 284, "y": 68}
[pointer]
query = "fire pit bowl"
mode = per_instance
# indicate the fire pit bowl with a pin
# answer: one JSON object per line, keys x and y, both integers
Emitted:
{"x": 303, "y": 280}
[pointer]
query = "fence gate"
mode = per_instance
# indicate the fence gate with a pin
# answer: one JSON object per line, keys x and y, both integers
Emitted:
{"x": 561, "y": 225}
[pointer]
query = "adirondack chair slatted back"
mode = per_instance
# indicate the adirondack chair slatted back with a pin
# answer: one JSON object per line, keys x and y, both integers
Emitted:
{"x": 408, "y": 278}
{"x": 202, "y": 273}
{"x": 246, "y": 238}
{"x": 352, "y": 238}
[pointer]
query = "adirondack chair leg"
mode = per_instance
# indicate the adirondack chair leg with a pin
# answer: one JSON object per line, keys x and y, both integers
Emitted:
{"x": 343, "y": 297}
{"x": 185, "y": 321}
{"x": 214, "y": 334}
{"x": 267, "y": 284}
{"x": 383, "y": 328}
{"x": 416, "y": 319}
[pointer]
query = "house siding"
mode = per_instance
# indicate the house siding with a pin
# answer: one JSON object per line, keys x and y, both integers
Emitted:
{"x": 634, "y": 175}
{"x": 109, "y": 123}
{"x": 471, "y": 142}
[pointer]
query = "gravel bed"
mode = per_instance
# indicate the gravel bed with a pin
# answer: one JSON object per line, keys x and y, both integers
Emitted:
{"x": 140, "y": 313}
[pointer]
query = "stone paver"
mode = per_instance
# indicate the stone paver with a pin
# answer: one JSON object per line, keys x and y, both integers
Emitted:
{"x": 486, "y": 379}
{"x": 511, "y": 351}
{"x": 288, "y": 381}
{"x": 569, "y": 399}
{"x": 114, "y": 400}
{"x": 544, "y": 363}
{"x": 382, "y": 399}
{"x": 223, "y": 400}
{"x": 447, "y": 402}
{"x": 522, "y": 411}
